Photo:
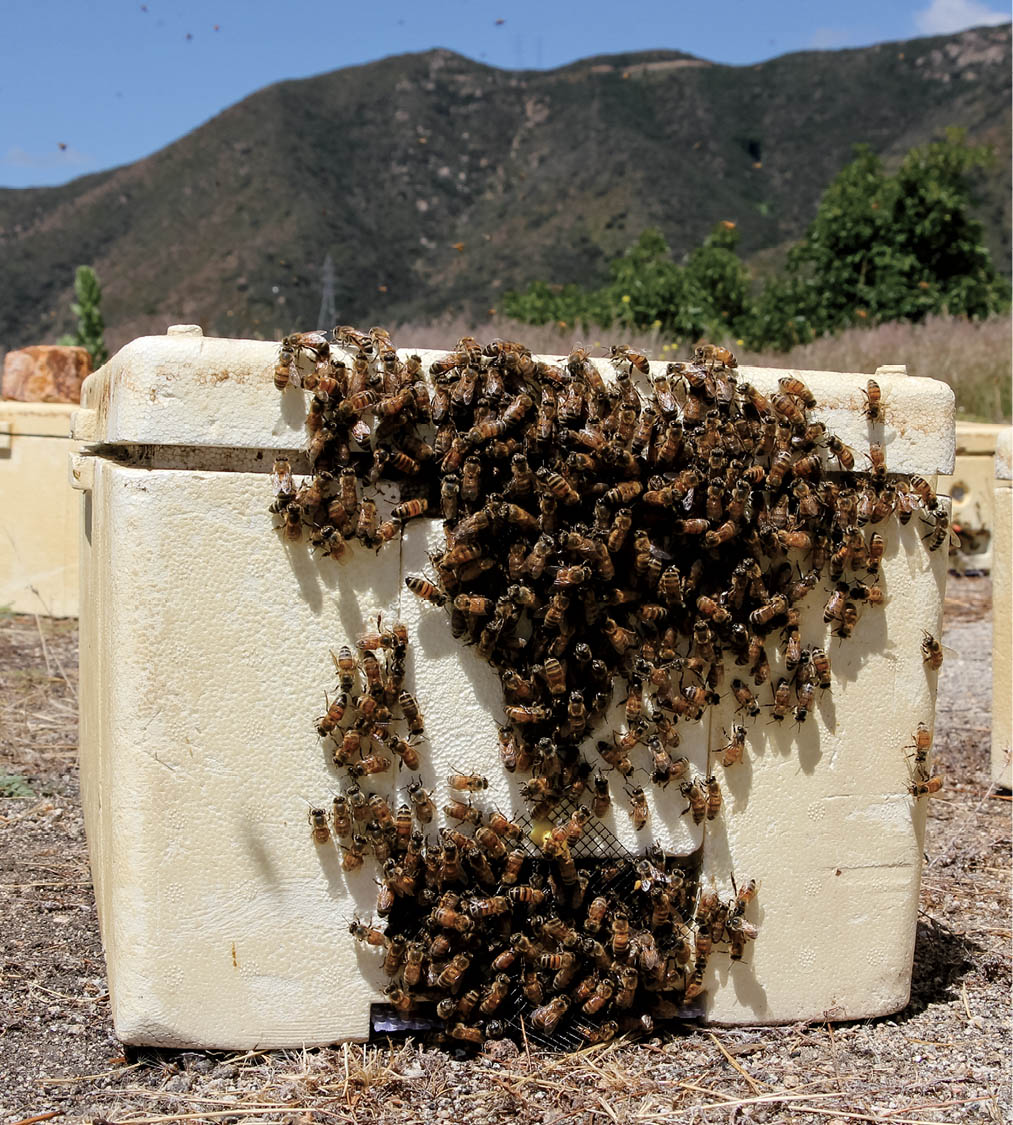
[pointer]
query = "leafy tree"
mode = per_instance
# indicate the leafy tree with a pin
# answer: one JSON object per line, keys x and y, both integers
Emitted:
{"x": 648, "y": 288}
{"x": 886, "y": 247}
{"x": 88, "y": 310}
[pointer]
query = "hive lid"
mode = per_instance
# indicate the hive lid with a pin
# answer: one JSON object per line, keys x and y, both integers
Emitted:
{"x": 36, "y": 419}
{"x": 188, "y": 390}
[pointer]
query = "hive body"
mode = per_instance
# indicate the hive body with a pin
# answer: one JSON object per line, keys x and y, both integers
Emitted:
{"x": 205, "y": 642}
{"x": 1002, "y": 614}
{"x": 38, "y": 510}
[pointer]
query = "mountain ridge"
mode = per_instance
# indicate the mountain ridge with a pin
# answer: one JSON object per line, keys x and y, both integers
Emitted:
{"x": 436, "y": 182}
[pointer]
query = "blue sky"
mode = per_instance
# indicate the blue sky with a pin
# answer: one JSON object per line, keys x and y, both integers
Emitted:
{"x": 86, "y": 86}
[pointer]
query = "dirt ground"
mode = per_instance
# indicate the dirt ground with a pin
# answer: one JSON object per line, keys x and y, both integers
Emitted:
{"x": 946, "y": 1057}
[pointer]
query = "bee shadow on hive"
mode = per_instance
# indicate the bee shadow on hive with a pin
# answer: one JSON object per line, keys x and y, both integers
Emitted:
{"x": 306, "y": 571}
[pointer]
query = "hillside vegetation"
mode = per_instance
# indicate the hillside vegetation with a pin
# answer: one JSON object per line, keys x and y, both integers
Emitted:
{"x": 437, "y": 183}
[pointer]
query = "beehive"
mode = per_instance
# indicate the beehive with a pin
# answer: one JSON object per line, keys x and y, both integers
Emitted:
{"x": 971, "y": 491}
{"x": 204, "y": 645}
{"x": 39, "y": 512}
{"x": 1002, "y": 614}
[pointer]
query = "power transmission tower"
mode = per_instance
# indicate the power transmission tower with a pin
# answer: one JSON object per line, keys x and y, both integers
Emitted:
{"x": 328, "y": 315}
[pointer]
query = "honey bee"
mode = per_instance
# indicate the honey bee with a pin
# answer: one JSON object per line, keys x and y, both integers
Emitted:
{"x": 512, "y": 867}
{"x": 424, "y": 589}
{"x": 925, "y": 788}
{"x": 371, "y": 764}
{"x": 746, "y": 700}
{"x": 696, "y": 794}
{"x": 447, "y": 918}
{"x": 602, "y": 799}
{"x": 924, "y": 491}
{"x": 489, "y": 907}
{"x": 451, "y": 976}
{"x": 713, "y": 355}
{"x": 495, "y": 993}
{"x": 761, "y": 618}
{"x": 713, "y": 797}
{"x": 921, "y": 746}
{"x": 469, "y": 782}
{"x": 546, "y": 1019}
{"x": 805, "y": 691}
{"x": 320, "y": 828}
{"x": 341, "y": 817}
{"x": 638, "y": 807}
{"x": 422, "y": 802}
{"x": 333, "y": 715}
{"x": 792, "y": 385}
{"x": 354, "y": 855}
{"x": 733, "y": 750}
{"x": 848, "y": 620}
{"x": 932, "y": 651}
{"x": 873, "y": 409}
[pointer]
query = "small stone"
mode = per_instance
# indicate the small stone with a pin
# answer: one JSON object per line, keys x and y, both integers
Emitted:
{"x": 414, "y": 1072}
{"x": 501, "y": 1048}
{"x": 45, "y": 373}
{"x": 198, "y": 1064}
{"x": 178, "y": 1084}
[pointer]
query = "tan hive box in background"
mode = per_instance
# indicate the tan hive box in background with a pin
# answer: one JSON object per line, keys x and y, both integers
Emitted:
{"x": 205, "y": 645}
{"x": 39, "y": 511}
{"x": 971, "y": 490}
{"x": 1002, "y": 614}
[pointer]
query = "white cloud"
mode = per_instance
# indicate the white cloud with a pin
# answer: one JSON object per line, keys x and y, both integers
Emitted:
{"x": 18, "y": 157}
{"x": 944, "y": 16}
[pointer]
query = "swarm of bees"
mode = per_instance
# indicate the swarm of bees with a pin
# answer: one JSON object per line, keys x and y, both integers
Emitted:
{"x": 595, "y": 534}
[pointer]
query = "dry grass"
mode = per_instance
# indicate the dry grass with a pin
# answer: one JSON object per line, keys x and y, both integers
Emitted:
{"x": 973, "y": 357}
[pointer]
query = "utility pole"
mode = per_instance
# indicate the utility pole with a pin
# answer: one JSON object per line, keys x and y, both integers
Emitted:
{"x": 328, "y": 315}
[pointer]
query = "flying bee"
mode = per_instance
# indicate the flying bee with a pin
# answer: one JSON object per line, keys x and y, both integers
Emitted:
{"x": 932, "y": 651}
{"x": 468, "y": 782}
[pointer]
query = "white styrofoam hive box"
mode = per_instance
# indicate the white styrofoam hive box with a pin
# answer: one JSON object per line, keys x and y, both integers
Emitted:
{"x": 205, "y": 649}
{"x": 39, "y": 512}
{"x": 1002, "y": 613}
{"x": 971, "y": 489}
